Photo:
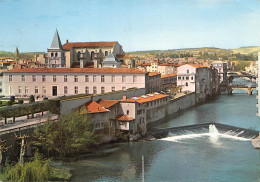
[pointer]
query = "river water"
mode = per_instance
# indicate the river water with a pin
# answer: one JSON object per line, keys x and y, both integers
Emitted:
{"x": 201, "y": 158}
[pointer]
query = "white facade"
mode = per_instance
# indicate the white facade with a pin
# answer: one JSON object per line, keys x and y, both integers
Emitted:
{"x": 186, "y": 76}
{"x": 222, "y": 70}
{"x": 53, "y": 82}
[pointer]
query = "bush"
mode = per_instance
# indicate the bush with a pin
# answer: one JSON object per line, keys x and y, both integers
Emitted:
{"x": 9, "y": 103}
{"x": 20, "y": 101}
{"x": 45, "y": 98}
{"x": 37, "y": 170}
{"x": 1, "y": 102}
{"x": 12, "y": 99}
{"x": 31, "y": 99}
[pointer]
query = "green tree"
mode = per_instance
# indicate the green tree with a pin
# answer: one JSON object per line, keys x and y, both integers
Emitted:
{"x": 12, "y": 99}
{"x": 31, "y": 99}
{"x": 74, "y": 133}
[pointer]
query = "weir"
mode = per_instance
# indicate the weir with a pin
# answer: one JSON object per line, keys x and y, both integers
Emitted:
{"x": 205, "y": 128}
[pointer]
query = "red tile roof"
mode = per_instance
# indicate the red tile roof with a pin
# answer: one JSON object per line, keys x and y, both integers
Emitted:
{"x": 169, "y": 75}
{"x": 78, "y": 70}
{"x": 154, "y": 73}
{"x": 108, "y": 103}
{"x": 147, "y": 98}
{"x": 124, "y": 118}
{"x": 71, "y": 45}
{"x": 197, "y": 65}
{"x": 93, "y": 107}
{"x": 167, "y": 64}
{"x": 146, "y": 64}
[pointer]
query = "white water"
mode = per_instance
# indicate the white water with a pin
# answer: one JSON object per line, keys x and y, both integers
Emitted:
{"x": 213, "y": 134}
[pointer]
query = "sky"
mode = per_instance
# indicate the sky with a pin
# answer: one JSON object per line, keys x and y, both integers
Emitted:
{"x": 136, "y": 24}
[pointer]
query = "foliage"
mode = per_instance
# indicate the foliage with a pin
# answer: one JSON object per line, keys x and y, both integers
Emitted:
{"x": 36, "y": 170}
{"x": 22, "y": 110}
{"x": 31, "y": 99}
{"x": 12, "y": 99}
{"x": 9, "y": 103}
{"x": 45, "y": 98}
{"x": 241, "y": 65}
{"x": 20, "y": 101}
{"x": 73, "y": 133}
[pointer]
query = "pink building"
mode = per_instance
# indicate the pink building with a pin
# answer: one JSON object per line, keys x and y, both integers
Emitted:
{"x": 53, "y": 82}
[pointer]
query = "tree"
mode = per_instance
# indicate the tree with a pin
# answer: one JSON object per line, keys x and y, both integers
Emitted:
{"x": 74, "y": 133}
{"x": 12, "y": 99}
{"x": 31, "y": 99}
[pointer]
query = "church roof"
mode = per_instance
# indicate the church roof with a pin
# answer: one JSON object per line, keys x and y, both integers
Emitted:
{"x": 70, "y": 45}
{"x": 110, "y": 59}
{"x": 56, "y": 43}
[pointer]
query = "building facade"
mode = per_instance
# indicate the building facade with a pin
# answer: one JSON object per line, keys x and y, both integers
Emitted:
{"x": 54, "y": 82}
{"x": 222, "y": 70}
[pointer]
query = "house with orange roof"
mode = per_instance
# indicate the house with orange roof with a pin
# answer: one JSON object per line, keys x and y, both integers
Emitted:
{"x": 197, "y": 78}
{"x": 169, "y": 79}
{"x": 100, "y": 116}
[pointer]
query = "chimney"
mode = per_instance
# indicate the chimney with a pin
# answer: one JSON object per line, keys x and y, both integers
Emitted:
{"x": 124, "y": 98}
{"x": 67, "y": 41}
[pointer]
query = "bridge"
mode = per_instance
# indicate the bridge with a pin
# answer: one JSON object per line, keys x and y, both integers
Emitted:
{"x": 233, "y": 76}
{"x": 247, "y": 88}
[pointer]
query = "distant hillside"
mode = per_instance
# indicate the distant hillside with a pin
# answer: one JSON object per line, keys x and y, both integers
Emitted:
{"x": 22, "y": 55}
{"x": 247, "y": 50}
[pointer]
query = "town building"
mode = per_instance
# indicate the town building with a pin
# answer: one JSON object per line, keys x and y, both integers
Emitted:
{"x": 55, "y": 82}
{"x": 199, "y": 79}
{"x": 110, "y": 62}
{"x": 222, "y": 71}
{"x": 128, "y": 115}
{"x": 154, "y": 82}
{"x": 163, "y": 68}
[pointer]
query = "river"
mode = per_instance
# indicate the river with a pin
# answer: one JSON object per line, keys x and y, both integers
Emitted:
{"x": 200, "y": 158}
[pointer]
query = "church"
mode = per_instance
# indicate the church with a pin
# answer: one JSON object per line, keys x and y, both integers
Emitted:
{"x": 85, "y": 54}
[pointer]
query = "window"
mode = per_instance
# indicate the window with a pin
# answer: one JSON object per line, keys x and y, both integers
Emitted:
{"x": 113, "y": 89}
{"x": 179, "y": 77}
{"x": 191, "y": 78}
{"x": 86, "y": 90}
{"x": 10, "y": 78}
{"x": 127, "y": 112}
{"x": 43, "y": 78}
{"x": 124, "y": 88}
{"x": 26, "y": 89}
{"x": 65, "y": 89}
{"x": 94, "y": 78}
{"x": 123, "y": 78}
{"x": 187, "y": 84}
{"x": 23, "y": 78}
{"x": 65, "y": 78}
{"x": 188, "y": 71}
{"x": 36, "y": 89}
{"x": 113, "y": 78}
{"x": 187, "y": 78}
{"x": 56, "y": 54}
{"x": 33, "y": 78}
{"x": 94, "y": 90}
{"x": 102, "y": 90}
{"x": 44, "y": 90}
{"x": 134, "y": 78}
{"x": 92, "y": 55}
{"x": 183, "y": 77}
{"x": 54, "y": 78}
{"x": 76, "y": 90}
{"x": 102, "y": 78}
{"x": 86, "y": 78}
{"x": 76, "y": 78}
{"x": 106, "y": 53}
{"x": 20, "y": 89}
{"x": 52, "y": 54}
